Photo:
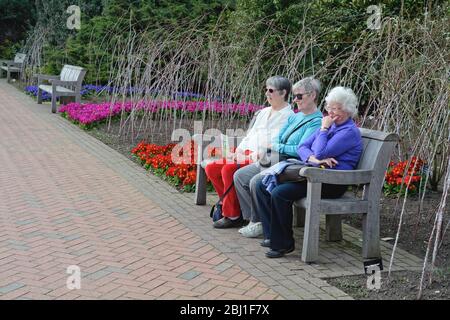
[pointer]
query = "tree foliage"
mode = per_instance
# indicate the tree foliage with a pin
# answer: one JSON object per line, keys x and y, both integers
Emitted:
{"x": 16, "y": 17}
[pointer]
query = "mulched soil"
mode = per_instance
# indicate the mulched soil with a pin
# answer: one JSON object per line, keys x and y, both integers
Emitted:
{"x": 414, "y": 235}
{"x": 415, "y": 230}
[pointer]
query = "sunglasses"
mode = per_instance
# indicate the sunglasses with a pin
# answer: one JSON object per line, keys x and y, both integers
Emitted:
{"x": 270, "y": 90}
{"x": 299, "y": 96}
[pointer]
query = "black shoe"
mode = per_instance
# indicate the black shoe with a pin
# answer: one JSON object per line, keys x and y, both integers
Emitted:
{"x": 265, "y": 243}
{"x": 278, "y": 253}
{"x": 228, "y": 223}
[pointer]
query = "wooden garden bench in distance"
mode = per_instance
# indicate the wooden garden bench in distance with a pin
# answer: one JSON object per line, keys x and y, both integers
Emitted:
{"x": 67, "y": 84}
{"x": 12, "y": 66}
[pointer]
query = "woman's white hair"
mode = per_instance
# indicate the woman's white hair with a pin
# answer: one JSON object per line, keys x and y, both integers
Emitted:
{"x": 344, "y": 96}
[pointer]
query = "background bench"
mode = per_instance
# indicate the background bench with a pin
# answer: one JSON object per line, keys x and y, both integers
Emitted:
{"x": 67, "y": 84}
{"x": 12, "y": 66}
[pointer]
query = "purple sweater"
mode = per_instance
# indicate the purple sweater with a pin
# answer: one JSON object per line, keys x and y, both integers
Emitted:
{"x": 341, "y": 142}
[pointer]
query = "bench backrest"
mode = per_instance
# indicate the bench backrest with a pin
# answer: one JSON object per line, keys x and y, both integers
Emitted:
{"x": 72, "y": 73}
{"x": 20, "y": 57}
{"x": 377, "y": 150}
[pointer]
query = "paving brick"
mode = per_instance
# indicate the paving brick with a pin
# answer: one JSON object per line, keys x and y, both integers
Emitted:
{"x": 189, "y": 275}
{"x": 11, "y": 287}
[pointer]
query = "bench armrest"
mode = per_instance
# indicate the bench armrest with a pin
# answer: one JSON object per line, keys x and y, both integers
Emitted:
{"x": 330, "y": 176}
{"x": 209, "y": 138}
{"x": 45, "y": 77}
{"x": 7, "y": 62}
{"x": 203, "y": 141}
{"x": 41, "y": 77}
{"x": 11, "y": 63}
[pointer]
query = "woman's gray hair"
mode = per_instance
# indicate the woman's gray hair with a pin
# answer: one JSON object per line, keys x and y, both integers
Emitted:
{"x": 310, "y": 84}
{"x": 280, "y": 83}
{"x": 344, "y": 96}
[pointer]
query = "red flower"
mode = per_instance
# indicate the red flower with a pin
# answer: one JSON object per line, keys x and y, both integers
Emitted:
{"x": 191, "y": 177}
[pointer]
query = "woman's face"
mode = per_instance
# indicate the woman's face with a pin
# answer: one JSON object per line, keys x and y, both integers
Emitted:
{"x": 303, "y": 99}
{"x": 336, "y": 112}
{"x": 274, "y": 96}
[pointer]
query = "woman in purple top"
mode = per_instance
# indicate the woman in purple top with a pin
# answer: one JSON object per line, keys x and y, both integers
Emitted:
{"x": 336, "y": 145}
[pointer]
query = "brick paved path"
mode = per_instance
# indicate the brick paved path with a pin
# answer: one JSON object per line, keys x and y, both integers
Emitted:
{"x": 67, "y": 199}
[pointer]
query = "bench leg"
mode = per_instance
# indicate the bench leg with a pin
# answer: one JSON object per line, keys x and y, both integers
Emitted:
{"x": 8, "y": 76}
{"x": 333, "y": 228}
{"x": 39, "y": 96}
{"x": 371, "y": 235}
{"x": 78, "y": 98}
{"x": 53, "y": 103}
{"x": 299, "y": 216}
{"x": 200, "y": 186}
{"x": 310, "y": 251}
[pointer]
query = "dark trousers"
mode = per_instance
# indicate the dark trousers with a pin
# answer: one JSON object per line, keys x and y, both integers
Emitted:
{"x": 275, "y": 209}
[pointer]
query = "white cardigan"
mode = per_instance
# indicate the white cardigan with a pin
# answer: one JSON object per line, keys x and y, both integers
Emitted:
{"x": 267, "y": 125}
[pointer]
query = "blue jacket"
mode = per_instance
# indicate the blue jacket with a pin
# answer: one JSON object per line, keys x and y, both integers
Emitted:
{"x": 289, "y": 147}
{"x": 342, "y": 142}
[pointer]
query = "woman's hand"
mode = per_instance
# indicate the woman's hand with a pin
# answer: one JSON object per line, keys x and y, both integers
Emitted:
{"x": 327, "y": 121}
{"x": 329, "y": 162}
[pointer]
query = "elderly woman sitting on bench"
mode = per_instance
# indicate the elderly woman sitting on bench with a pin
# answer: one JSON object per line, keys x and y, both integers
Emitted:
{"x": 336, "y": 145}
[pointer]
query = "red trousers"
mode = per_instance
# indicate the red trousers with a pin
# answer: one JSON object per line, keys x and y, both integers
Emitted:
{"x": 221, "y": 175}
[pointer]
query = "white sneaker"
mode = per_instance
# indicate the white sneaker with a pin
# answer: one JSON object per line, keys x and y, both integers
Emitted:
{"x": 253, "y": 231}
{"x": 248, "y": 225}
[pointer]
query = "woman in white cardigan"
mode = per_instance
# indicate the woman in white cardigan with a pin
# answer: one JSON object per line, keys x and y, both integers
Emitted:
{"x": 267, "y": 125}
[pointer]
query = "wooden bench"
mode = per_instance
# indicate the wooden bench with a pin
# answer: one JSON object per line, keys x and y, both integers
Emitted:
{"x": 378, "y": 147}
{"x": 67, "y": 84}
{"x": 12, "y": 66}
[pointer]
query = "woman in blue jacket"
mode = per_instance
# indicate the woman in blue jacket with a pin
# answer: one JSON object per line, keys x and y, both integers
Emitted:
{"x": 336, "y": 145}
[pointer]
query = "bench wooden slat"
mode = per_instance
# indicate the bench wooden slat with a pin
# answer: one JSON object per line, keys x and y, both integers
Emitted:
{"x": 20, "y": 57}
{"x": 343, "y": 205}
{"x": 49, "y": 89}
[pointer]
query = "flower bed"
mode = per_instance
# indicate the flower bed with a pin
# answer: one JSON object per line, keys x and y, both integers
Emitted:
{"x": 399, "y": 178}
{"x": 158, "y": 160}
{"x": 87, "y": 90}
{"x": 88, "y": 115}
{"x": 91, "y": 89}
